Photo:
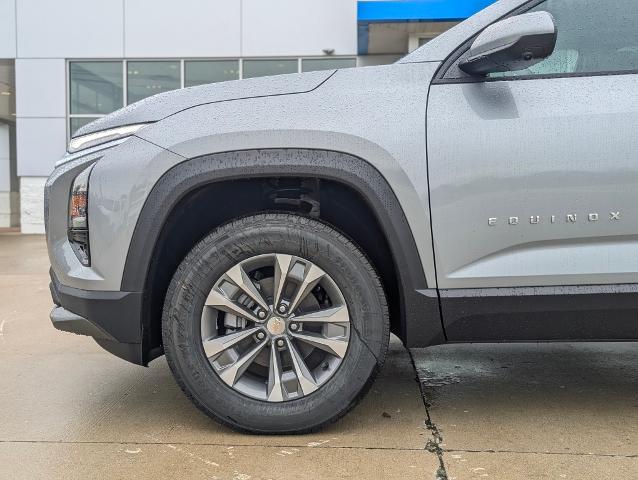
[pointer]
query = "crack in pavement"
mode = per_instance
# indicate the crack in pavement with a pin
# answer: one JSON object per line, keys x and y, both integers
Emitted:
{"x": 530, "y": 452}
{"x": 433, "y": 445}
{"x": 203, "y": 444}
{"x": 336, "y": 447}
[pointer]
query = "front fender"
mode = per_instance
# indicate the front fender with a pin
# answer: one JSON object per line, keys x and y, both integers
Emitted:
{"x": 373, "y": 113}
{"x": 376, "y": 114}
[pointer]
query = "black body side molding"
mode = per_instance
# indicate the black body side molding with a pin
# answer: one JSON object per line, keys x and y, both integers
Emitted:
{"x": 565, "y": 313}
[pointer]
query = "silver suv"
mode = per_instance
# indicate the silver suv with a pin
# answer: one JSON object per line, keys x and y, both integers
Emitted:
{"x": 268, "y": 234}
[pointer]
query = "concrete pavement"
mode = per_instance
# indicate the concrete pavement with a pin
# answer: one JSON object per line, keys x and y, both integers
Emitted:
{"x": 534, "y": 410}
{"x": 70, "y": 410}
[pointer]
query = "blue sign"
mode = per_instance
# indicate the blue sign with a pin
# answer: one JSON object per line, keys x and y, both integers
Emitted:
{"x": 419, "y": 10}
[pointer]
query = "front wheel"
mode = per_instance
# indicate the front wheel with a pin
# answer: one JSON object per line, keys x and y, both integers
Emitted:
{"x": 275, "y": 323}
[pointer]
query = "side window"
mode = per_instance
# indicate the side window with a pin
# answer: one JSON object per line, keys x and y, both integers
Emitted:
{"x": 594, "y": 36}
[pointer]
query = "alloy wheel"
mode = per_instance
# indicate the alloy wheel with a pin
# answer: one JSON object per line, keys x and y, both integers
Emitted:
{"x": 275, "y": 327}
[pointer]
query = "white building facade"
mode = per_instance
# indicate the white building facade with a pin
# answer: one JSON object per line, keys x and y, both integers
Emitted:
{"x": 64, "y": 63}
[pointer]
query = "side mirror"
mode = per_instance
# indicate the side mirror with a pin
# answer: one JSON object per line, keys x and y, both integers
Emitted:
{"x": 515, "y": 43}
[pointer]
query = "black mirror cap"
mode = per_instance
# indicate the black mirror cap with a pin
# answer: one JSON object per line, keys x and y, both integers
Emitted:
{"x": 524, "y": 53}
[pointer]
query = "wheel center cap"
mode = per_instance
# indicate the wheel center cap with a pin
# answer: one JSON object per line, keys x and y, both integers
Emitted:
{"x": 276, "y": 326}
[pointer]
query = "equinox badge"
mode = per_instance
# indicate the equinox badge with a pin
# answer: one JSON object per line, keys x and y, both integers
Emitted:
{"x": 538, "y": 219}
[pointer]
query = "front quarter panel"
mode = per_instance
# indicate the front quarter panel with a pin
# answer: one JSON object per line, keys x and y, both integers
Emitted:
{"x": 375, "y": 113}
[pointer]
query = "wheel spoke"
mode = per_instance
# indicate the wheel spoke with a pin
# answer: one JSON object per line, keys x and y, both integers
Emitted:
{"x": 335, "y": 346}
{"x": 209, "y": 323}
{"x": 275, "y": 387}
{"x": 217, "y": 345}
{"x": 304, "y": 377}
{"x": 232, "y": 373}
{"x": 239, "y": 278}
{"x": 282, "y": 266}
{"x": 220, "y": 301}
{"x": 312, "y": 276}
{"x": 267, "y": 305}
{"x": 329, "y": 315}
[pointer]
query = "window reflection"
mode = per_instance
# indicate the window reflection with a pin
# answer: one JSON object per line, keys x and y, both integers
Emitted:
{"x": 149, "y": 78}
{"x": 263, "y": 68}
{"x": 79, "y": 122}
{"x": 96, "y": 87}
{"x": 199, "y": 72}
{"x": 314, "y": 64}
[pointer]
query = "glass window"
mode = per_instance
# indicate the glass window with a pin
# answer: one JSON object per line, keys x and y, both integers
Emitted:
{"x": 200, "y": 72}
{"x": 149, "y": 78}
{"x": 79, "y": 122}
{"x": 7, "y": 91}
{"x": 96, "y": 87}
{"x": 424, "y": 40}
{"x": 593, "y": 37}
{"x": 262, "y": 68}
{"x": 314, "y": 64}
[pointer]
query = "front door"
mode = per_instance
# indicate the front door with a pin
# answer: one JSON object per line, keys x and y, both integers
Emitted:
{"x": 534, "y": 174}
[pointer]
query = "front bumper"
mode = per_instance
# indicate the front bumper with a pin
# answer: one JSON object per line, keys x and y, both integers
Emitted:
{"x": 113, "y": 319}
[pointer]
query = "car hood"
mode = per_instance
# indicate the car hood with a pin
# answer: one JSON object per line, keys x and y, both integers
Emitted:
{"x": 160, "y": 106}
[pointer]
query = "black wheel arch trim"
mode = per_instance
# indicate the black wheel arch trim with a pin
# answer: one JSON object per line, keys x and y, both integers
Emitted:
{"x": 420, "y": 312}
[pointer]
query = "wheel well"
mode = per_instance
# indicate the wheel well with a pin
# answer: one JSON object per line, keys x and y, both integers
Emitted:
{"x": 214, "y": 204}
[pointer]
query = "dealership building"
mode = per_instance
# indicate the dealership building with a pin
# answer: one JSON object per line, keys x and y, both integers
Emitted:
{"x": 65, "y": 63}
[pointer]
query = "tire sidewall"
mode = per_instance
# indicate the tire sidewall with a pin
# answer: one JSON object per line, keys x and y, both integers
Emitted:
{"x": 267, "y": 234}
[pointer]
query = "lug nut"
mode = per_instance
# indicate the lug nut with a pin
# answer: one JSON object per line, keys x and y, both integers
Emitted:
{"x": 294, "y": 327}
{"x": 280, "y": 343}
{"x": 262, "y": 314}
{"x": 261, "y": 335}
{"x": 281, "y": 308}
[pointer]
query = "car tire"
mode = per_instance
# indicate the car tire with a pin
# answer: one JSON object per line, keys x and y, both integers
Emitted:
{"x": 240, "y": 396}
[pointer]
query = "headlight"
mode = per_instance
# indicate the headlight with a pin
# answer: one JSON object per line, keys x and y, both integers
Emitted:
{"x": 97, "y": 138}
{"x": 78, "y": 231}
